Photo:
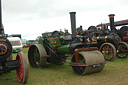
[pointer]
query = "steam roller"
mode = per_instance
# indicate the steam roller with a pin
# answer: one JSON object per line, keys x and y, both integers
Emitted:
{"x": 55, "y": 47}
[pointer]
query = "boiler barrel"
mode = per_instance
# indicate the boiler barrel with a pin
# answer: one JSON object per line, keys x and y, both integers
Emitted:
{"x": 64, "y": 49}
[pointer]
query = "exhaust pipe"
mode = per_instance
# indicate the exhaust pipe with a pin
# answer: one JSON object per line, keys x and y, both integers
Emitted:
{"x": 1, "y": 26}
{"x": 73, "y": 24}
{"x": 111, "y": 19}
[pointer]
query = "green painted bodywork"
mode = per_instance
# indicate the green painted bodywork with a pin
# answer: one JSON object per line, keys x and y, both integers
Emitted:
{"x": 41, "y": 42}
{"x": 55, "y": 40}
{"x": 64, "y": 49}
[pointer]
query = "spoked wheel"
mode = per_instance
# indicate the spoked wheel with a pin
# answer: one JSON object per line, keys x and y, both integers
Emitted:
{"x": 22, "y": 71}
{"x": 122, "y": 50}
{"x": 88, "y": 62}
{"x": 109, "y": 51}
{"x": 5, "y": 49}
{"x": 36, "y": 56}
{"x": 79, "y": 69}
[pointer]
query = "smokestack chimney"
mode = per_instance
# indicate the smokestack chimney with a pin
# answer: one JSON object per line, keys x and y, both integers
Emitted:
{"x": 1, "y": 26}
{"x": 73, "y": 24}
{"x": 111, "y": 19}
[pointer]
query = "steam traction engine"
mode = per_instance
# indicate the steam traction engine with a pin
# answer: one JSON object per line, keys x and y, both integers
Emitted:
{"x": 6, "y": 62}
{"x": 122, "y": 31}
{"x": 108, "y": 42}
{"x": 55, "y": 47}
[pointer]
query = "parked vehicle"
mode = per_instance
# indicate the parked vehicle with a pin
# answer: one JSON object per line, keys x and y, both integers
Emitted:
{"x": 16, "y": 44}
{"x": 54, "y": 47}
{"x": 24, "y": 43}
{"x": 8, "y": 64}
{"x": 108, "y": 41}
{"x": 122, "y": 30}
{"x": 15, "y": 35}
{"x": 29, "y": 43}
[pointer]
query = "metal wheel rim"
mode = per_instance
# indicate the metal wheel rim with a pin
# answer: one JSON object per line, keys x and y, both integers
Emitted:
{"x": 79, "y": 69}
{"x": 122, "y": 50}
{"x": 108, "y": 51}
{"x": 8, "y": 49}
{"x": 22, "y": 71}
{"x": 36, "y": 56}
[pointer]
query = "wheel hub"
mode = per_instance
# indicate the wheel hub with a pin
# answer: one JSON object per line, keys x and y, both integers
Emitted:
{"x": 3, "y": 49}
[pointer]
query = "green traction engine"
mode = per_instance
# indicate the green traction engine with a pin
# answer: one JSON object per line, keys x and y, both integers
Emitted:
{"x": 55, "y": 47}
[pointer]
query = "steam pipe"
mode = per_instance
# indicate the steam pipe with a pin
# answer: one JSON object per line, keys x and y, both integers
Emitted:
{"x": 111, "y": 19}
{"x": 73, "y": 24}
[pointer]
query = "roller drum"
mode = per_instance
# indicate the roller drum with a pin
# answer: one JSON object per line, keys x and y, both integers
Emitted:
{"x": 95, "y": 61}
{"x": 88, "y": 62}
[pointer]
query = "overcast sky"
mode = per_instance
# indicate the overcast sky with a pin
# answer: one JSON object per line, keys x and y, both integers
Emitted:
{"x": 31, "y": 18}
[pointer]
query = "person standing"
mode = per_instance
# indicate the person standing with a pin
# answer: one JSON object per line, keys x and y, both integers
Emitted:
{"x": 79, "y": 30}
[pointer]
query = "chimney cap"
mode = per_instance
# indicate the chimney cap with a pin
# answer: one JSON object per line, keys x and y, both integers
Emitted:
{"x": 111, "y": 15}
{"x": 72, "y": 12}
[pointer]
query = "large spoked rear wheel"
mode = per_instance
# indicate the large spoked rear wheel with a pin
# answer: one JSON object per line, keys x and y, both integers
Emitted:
{"x": 109, "y": 51}
{"x": 22, "y": 71}
{"x": 122, "y": 50}
{"x": 36, "y": 56}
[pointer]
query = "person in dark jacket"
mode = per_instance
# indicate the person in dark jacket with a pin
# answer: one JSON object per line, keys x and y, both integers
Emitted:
{"x": 79, "y": 30}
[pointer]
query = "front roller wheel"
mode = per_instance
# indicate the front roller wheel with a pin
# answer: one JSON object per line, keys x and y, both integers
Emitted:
{"x": 109, "y": 51}
{"x": 36, "y": 56}
{"x": 79, "y": 69}
{"x": 88, "y": 62}
{"x": 22, "y": 72}
{"x": 122, "y": 50}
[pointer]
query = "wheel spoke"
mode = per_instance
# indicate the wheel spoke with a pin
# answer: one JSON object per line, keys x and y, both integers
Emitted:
{"x": 108, "y": 50}
{"x": 122, "y": 50}
{"x": 34, "y": 54}
{"x": 22, "y": 71}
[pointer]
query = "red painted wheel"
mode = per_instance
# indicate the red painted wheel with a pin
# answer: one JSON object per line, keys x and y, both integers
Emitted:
{"x": 109, "y": 51}
{"x": 22, "y": 71}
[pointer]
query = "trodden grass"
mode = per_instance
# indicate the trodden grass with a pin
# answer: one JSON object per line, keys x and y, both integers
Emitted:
{"x": 114, "y": 73}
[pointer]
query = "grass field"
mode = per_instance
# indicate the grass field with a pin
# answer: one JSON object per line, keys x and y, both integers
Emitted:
{"x": 114, "y": 73}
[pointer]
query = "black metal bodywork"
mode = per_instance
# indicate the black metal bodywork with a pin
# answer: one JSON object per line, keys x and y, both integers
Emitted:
{"x": 104, "y": 35}
{"x": 6, "y": 64}
{"x": 6, "y": 51}
{"x": 122, "y": 31}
